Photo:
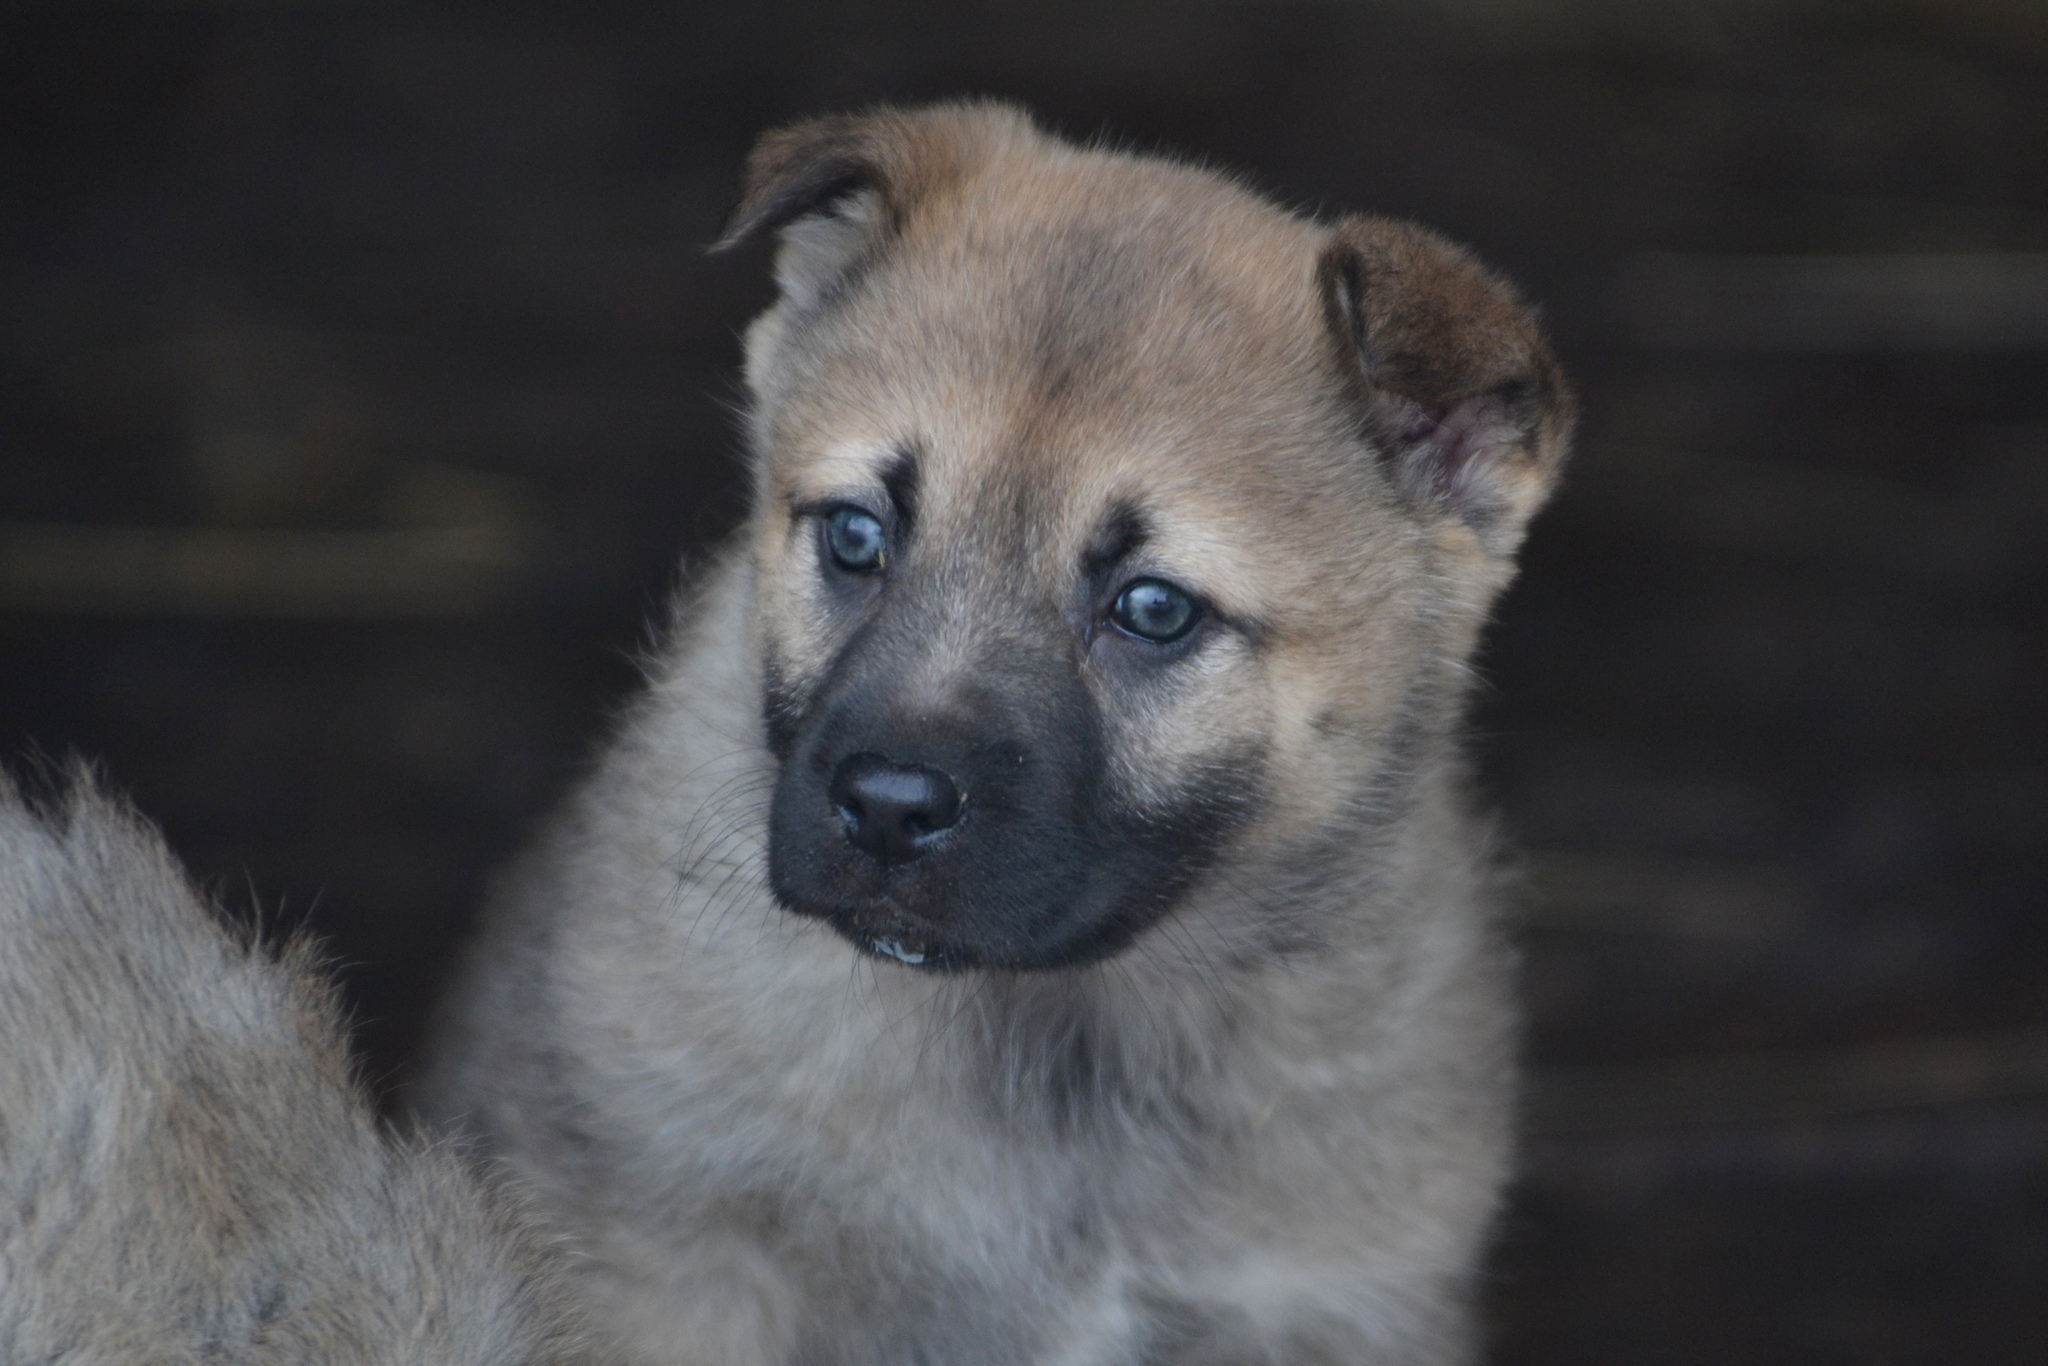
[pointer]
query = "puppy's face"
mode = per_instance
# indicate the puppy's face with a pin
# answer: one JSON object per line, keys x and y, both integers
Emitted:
{"x": 1079, "y": 574}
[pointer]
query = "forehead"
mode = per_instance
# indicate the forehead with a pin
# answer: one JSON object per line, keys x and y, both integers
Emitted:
{"x": 1076, "y": 331}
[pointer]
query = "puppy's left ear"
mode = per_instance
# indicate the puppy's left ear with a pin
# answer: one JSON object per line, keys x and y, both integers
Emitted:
{"x": 1461, "y": 397}
{"x": 804, "y": 168}
{"x": 841, "y": 187}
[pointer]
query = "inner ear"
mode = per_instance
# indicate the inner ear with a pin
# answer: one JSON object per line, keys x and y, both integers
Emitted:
{"x": 805, "y": 189}
{"x": 821, "y": 185}
{"x": 1459, "y": 395}
{"x": 822, "y": 246}
{"x": 1457, "y": 454}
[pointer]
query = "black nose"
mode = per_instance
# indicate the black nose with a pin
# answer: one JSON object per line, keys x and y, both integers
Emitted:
{"x": 892, "y": 810}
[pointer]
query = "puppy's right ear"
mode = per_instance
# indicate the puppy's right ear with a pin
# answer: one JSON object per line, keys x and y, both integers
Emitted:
{"x": 840, "y": 187}
{"x": 1460, "y": 393}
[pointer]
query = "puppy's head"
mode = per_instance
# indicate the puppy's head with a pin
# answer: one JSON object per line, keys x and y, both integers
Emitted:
{"x": 1112, "y": 526}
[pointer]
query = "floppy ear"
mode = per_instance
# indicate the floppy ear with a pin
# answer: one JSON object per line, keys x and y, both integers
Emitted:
{"x": 1461, "y": 396}
{"x": 838, "y": 187}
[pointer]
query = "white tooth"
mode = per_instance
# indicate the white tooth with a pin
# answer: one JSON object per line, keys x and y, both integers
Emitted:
{"x": 896, "y": 950}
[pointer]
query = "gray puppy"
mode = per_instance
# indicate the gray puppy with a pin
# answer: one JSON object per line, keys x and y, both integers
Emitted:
{"x": 1032, "y": 915}
{"x": 188, "y": 1169}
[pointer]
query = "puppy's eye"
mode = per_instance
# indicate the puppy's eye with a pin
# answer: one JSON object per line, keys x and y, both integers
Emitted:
{"x": 855, "y": 541}
{"x": 1155, "y": 611}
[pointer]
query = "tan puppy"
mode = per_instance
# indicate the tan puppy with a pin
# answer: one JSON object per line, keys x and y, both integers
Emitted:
{"x": 188, "y": 1169}
{"x": 1032, "y": 916}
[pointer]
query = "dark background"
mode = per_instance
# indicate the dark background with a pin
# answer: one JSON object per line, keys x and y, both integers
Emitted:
{"x": 363, "y": 383}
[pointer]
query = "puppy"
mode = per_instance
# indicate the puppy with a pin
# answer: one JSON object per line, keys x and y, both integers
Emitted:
{"x": 188, "y": 1169}
{"x": 1033, "y": 915}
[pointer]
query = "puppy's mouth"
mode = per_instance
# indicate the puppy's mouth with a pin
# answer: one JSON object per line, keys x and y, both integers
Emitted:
{"x": 894, "y": 937}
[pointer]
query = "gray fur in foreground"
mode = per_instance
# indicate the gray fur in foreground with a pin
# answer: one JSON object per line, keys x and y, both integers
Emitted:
{"x": 189, "y": 1170}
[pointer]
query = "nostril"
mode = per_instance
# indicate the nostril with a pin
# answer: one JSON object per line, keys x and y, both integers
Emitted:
{"x": 892, "y": 810}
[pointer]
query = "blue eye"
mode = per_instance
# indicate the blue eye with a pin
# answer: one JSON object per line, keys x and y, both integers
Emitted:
{"x": 1155, "y": 611}
{"x": 855, "y": 540}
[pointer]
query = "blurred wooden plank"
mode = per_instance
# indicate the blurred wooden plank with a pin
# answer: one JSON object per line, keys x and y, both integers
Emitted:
{"x": 1613, "y": 893}
{"x": 1778, "y": 1087}
{"x": 1983, "y": 530}
{"x": 1966, "y": 301}
{"x": 413, "y": 572}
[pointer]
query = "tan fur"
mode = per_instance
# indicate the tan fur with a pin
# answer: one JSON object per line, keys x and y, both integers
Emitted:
{"x": 188, "y": 1169}
{"x": 1272, "y": 1127}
